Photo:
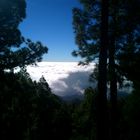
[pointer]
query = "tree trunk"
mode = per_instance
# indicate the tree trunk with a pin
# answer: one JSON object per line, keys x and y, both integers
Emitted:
{"x": 102, "y": 111}
{"x": 113, "y": 93}
{"x": 113, "y": 76}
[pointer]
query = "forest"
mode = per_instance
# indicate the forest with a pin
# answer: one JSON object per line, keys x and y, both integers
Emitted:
{"x": 106, "y": 32}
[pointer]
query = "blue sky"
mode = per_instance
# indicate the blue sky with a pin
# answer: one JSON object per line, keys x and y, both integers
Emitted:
{"x": 50, "y": 21}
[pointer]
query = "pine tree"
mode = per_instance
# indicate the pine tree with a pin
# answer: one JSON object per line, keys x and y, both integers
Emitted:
{"x": 123, "y": 20}
{"x": 15, "y": 50}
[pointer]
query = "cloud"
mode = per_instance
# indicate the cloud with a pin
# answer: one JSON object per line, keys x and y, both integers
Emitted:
{"x": 64, "y": 78}
{"x": 74, "y": 84}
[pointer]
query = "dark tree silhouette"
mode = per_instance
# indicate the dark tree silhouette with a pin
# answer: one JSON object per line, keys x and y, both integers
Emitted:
{"x": 112, "y": 70}
{"x": 102, "y": 111}
{"x": 92, "y": 38}
{"x": 15, "y": 50}
{"x": 121, "y": 31}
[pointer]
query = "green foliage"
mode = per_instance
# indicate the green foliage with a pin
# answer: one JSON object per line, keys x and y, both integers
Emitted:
{"x": 86, "y": 28}
{"x": 15, "y": 50}
{"x": 124, "y": 33}
{"x": 130, "y": 124}
{"x": 12, "y": 12}
{"x": 28, "y": 110}
{"x": 129, "y": 61}
{"x": 84, "y": 117}
{"x": 17, "y": 99}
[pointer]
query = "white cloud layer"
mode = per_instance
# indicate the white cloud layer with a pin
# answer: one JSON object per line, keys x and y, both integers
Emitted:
{"x": 64, "y": 78}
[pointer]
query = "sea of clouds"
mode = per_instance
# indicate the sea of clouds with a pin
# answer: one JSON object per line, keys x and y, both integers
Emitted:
{"x": 64, "y": 78}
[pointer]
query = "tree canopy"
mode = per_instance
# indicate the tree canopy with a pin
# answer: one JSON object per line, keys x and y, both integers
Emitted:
{"x": 16, "y": 50}
{"x": 122, "y": 34}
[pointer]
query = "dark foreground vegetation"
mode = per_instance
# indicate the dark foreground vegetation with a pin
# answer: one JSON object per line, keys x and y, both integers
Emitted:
{"x": 29, "y": 111}
{"x": 107, "y": 30}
